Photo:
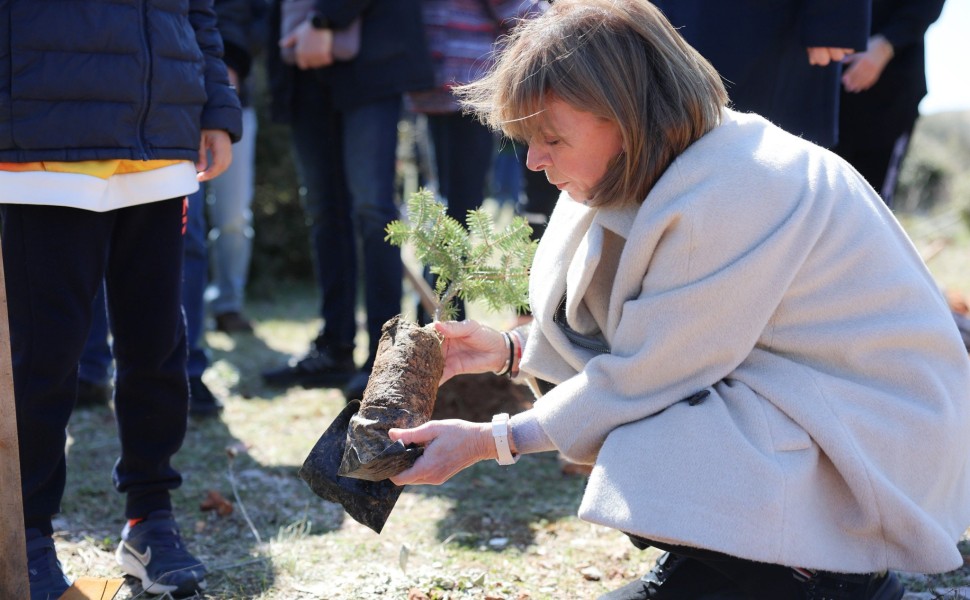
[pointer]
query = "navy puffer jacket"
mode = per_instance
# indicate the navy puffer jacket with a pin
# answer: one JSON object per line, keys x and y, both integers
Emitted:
{"x": 111, "y": 79}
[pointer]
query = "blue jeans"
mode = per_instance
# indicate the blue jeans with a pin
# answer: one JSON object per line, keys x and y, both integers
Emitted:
{"x": 230, "y": 197}
{"x": 56, "y": 259}
{"x": 195, "y": 279}
{"x": 463, "y": 153}
{"x": 346, "y": 164}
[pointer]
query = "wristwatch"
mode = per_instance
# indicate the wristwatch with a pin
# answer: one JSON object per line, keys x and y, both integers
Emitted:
{"x": 500, "y": 433}
{"x": 318, "y": 21}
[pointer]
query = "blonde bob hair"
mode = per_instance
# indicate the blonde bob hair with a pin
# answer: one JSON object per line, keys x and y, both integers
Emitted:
{"x": 620, "y": 60}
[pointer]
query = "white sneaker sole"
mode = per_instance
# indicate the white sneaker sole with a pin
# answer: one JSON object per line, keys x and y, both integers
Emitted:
{"x": 132, "y": 566}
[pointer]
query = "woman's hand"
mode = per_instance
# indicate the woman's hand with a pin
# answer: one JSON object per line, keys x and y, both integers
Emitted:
{"x": 821, "y": 57}
{"x": 450, "y": 446}
{"x": 313, "y": 47}
{"x": 470, "y": 347}
{"x": 863, "y": 70}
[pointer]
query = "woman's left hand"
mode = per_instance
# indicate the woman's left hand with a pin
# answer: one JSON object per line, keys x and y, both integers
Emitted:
{"x": 863, "y": 70}
{"x": 449, "y": 446}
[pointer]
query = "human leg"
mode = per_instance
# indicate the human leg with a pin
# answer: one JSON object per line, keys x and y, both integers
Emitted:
{"x": 151, "y": 395}
{"x": 94, "y": 369}
{"x": 698, "y": 574}
{"x": 144, "y": 290}
{"x": 370, "y": 155}
{"x": 230, "y": 198}
{"x": 317, "y": 149}
{"x": 463, "y": 150}
{"x": 202, "y": 402}
{"x": 54, "y": 263}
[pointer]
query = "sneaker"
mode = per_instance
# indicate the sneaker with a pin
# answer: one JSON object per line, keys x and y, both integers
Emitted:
{"x": 152, "y": 551}
{"x": 320, "y": 367}
{"x": 233, "y": 322}
{"x": 93, "y": 394}
{"x": 202, "y": 402}
{"x": 822, "y": 585}
{"x": 47, "y": 579}
{"x": 676, "y": 577}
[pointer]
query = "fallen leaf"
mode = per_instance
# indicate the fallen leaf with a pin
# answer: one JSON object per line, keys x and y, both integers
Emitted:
{"x": 215, "y": 501}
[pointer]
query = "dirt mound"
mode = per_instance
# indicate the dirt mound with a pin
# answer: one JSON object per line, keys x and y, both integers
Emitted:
{"x": 479, "y": 396}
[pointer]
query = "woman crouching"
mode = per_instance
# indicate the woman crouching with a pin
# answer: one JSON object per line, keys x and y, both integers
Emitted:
{"x": 729, "y": 324}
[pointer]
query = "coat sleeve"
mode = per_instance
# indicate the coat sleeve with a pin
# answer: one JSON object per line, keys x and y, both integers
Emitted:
{"x": 836, "y": 23}
{"x": 909, "y": 20}
{"x": 342, "y": 12}
{"x": 241, "y": 25}
{"x": 222, "y": 109}
{"x": 712, "y": 271}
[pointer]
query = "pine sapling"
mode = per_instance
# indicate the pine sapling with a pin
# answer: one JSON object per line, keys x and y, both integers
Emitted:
{"x": 474, "y": 264}
{"x": 352, "y": 461}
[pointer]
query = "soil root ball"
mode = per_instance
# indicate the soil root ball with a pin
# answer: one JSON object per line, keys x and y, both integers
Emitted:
{"x": 401, "y": 393}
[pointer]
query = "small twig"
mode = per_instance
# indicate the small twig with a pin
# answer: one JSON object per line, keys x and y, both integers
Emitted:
{"x": 242, "y": 507}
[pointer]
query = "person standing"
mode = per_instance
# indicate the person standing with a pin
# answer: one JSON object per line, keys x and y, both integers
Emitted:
{"x": 781, "y": 60}
{"x": 461, "y": 37}
{"x": 107, "y": 132}
{"x": 881, "y": 91}
{"x": 229, "y": 197}
{"x": 344, "y": 117}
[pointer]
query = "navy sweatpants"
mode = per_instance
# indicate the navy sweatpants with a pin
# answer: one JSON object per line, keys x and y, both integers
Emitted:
{"x": 54, "y": 260}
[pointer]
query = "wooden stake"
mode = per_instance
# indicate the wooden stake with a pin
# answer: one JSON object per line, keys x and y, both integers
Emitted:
{"x": 426, "y": 295}
{"x": 13, "y": 557}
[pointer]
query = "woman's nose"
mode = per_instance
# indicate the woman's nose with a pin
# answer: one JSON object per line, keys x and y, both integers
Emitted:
{"x": 535, "y": 159}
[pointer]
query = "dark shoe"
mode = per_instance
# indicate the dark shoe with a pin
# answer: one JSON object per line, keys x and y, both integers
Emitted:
{"x": 354, "y": 390}
{"x": 846, "y": 586}
{"x": 676, "y": 577}
{"x": 202, "y": 402}
{"x": 320, "y": 367}
{"x": 47, "y": 579}
{"x": 93, "y": 394}
{"x": 152, "y": 551}
{"x": 233, "y": 322}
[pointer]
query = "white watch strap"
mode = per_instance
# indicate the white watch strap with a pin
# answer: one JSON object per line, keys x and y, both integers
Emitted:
{"x": 500, "y": 433}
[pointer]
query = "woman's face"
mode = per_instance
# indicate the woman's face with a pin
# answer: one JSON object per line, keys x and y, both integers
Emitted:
{"x": 573, "y": 147}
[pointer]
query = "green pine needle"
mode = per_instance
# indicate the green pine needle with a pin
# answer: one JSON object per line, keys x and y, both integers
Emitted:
{"x": 479, "y": 263}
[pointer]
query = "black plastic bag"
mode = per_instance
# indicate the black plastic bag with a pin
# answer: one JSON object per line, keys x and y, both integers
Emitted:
{"x": 367, "y": 502}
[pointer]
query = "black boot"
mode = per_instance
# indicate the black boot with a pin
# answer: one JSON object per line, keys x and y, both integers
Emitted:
{"x": 677, "y": 577}
{"x": 325, "y": 365}
{"x": 823, "y": 585}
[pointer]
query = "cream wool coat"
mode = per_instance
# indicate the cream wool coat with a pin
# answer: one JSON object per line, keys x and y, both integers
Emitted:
{"x": 763, "y": 270}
